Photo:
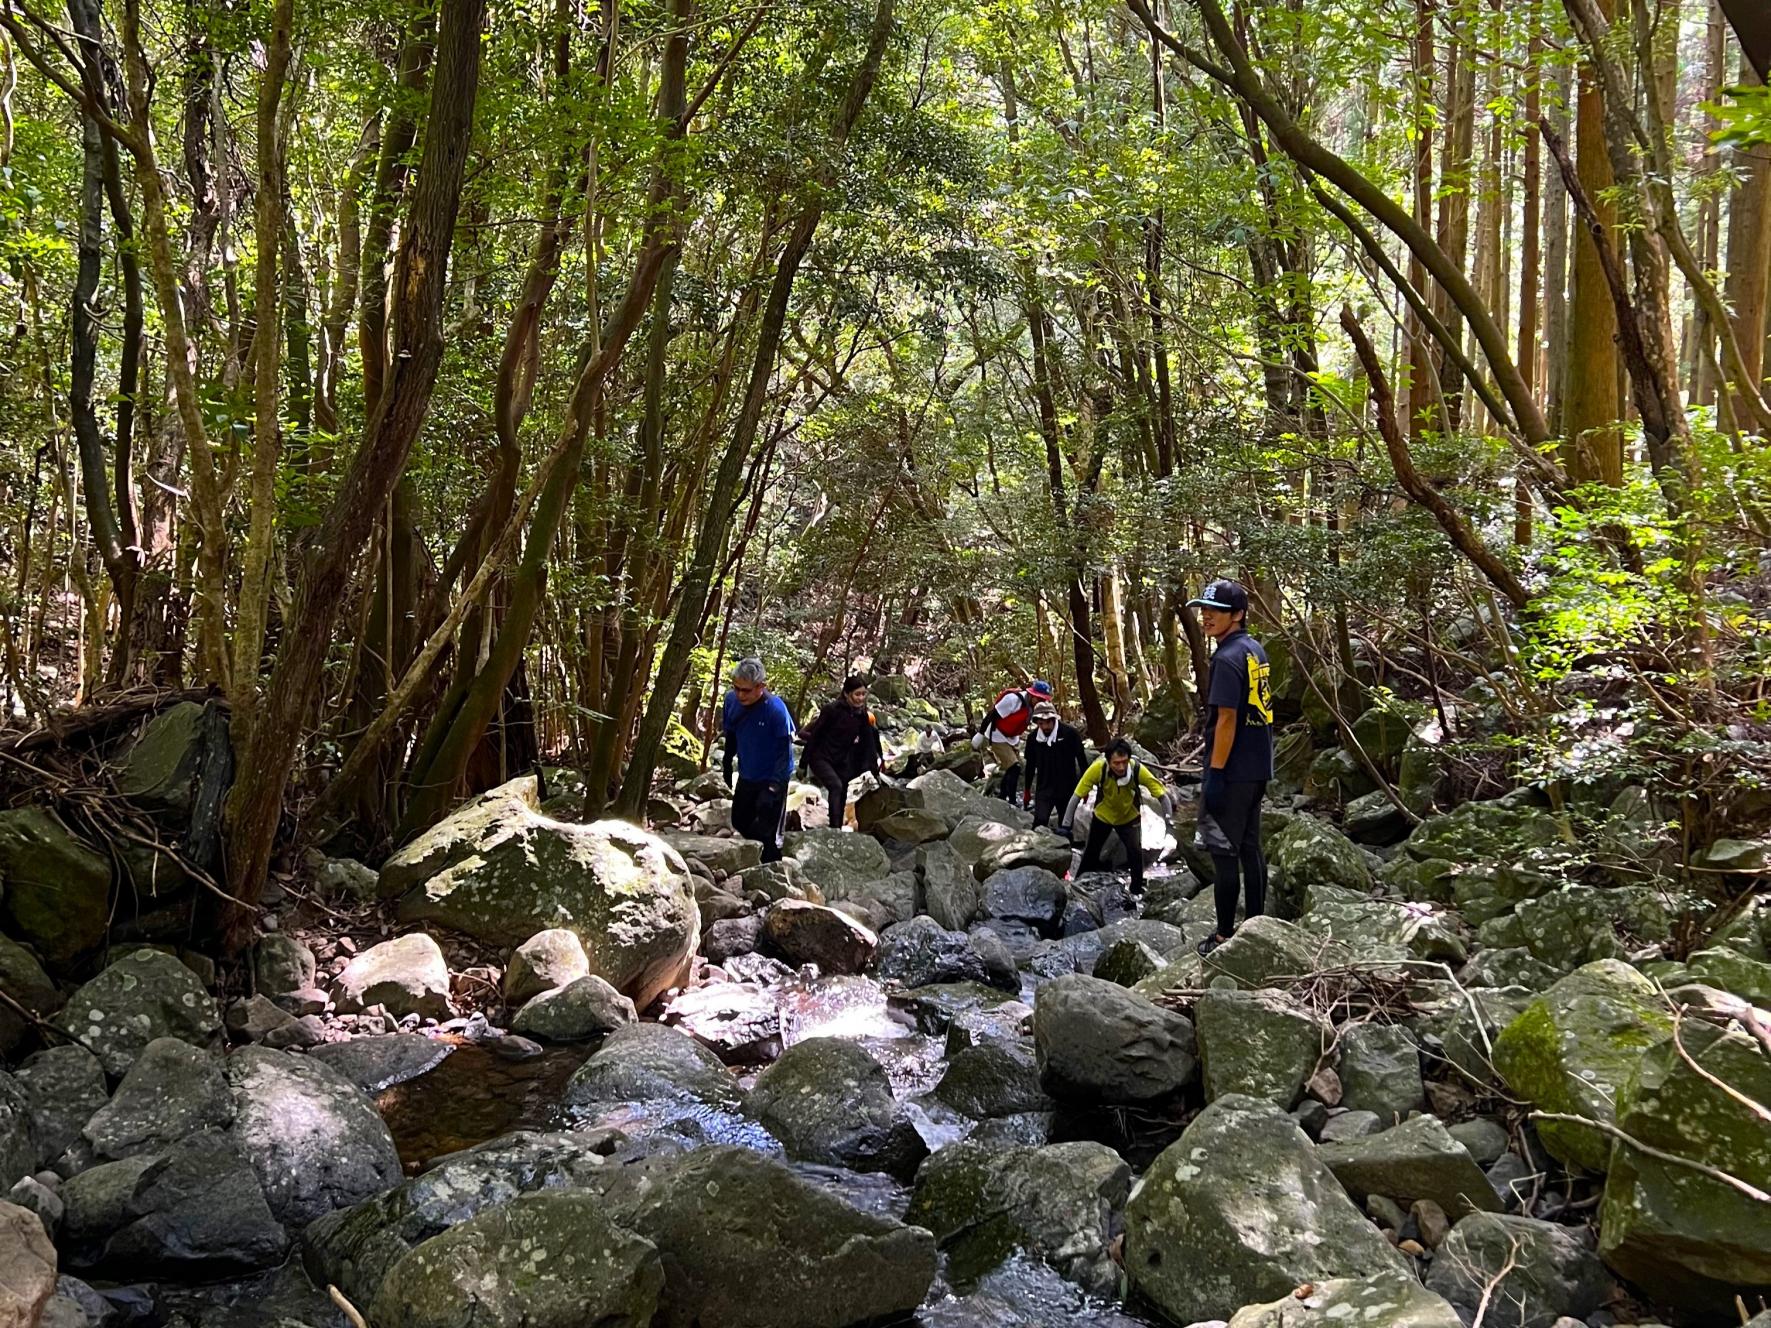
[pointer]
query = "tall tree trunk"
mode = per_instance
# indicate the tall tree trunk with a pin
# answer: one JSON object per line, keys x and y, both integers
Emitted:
{"x": 1749, "y": 253}
{"x": 255, "y": 805}
{"x": 1699, "y": 357}
{"x": 1530, "y": 275}
{"x": 1555, "y": 271}
{"x": 1593, "y": 441}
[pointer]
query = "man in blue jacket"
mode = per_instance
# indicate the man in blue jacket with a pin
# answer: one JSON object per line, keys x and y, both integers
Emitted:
{"x": 759, "y": 739}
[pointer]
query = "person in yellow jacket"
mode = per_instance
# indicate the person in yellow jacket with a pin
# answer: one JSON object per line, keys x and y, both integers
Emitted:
{"x": 1117, "y": 781}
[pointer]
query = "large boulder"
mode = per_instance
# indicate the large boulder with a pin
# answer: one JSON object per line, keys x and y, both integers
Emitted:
{"x": 1372, "y": 1302}
{"x": 991, "y": 1078}
{"x": 828, "y": 1101}
{"x": 1528, "y": 1273}
{"x": 1101, "y": 1043}
{"x": 1312, "y": 852}
{"x": 172, "y": 1090}
{"x": 651, "y": 1063}
{"x": 63, "y": 1086}
{"x": 1033, "y": 895}
{"x": 921, "y": 951}
{"x": 748, "y": 1244}
{"x": 314, "y": 1140}
{"x": 1575, "y": 1047}
{"x": 837, "y": 862}
{"x": 953, "y": 800}
{"x": 803, "y": 933}
{"x": 23, "y": 980}
{"x": 1265, "y": 948}
{"x": 1376, "y": 928}
{"x": 1239, "y": 1211}
{"x": 501, "y": 871}
{"x": 146, "y": 994}
{"x": 407, "y": 975}
{"x": 160, "y": 769}
{"x": 1380, "y": 1071}
{"x": 1260, "y": 1044}
{"x": 992, "y": 846}
{"x": 58, "y": 888}
{"x": 1058, "y": 1204}
{"x": 951, "y": 892}
{"x": 1417, "y": 1159}
{"x": 1683, "y": 1236}
{"x": 542, "y": 1261}
{"x": 580, "y": 1011}
{"x": 27, "y": 1267}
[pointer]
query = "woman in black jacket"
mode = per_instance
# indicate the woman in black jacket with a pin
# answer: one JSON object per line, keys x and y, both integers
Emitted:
{"x": 1055, "y": 762}
{"x": 841, "y": 743}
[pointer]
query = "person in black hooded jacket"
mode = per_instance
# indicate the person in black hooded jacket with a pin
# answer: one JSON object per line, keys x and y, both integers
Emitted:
{"x": 1055, "y": 762}
{"x": 842, "y": 743}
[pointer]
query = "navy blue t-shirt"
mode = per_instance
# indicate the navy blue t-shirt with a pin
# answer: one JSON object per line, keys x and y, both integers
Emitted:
{"x": 1240, "y": 678}
{"x": 763, "y": 732}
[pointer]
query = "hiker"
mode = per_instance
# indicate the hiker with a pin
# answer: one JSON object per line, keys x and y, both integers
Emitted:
{"x": 1119, "y": 779}
{"x": 759, "y": 738}
{"x": 841, "y": 743}
{"x": 1055, "y": 762}
{"x": 1238, "y": 756}
{"x": 1005, "y": 723}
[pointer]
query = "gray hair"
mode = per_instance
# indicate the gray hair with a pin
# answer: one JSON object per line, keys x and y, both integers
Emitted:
{"x": 750, "y": 669}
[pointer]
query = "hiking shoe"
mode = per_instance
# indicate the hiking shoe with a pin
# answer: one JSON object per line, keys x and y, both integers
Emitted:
{"x": 1210, "y": 943}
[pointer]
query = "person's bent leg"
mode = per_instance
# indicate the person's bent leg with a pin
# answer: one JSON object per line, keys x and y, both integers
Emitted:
{"x": 836, "y": 790}
{"x": 1091, "y": 847}
{"x": 1045, "y": 805}
{"x": 771, "y": 818}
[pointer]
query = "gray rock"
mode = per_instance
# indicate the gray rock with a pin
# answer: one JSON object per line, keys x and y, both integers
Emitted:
{"x": 547, "y": 960}
{"x": 340, "y": 878}
{"x": 828, "y": 1101}
{"x": 826, "y": 1262}
{"x": 921, "y": 951}
{"x": 407, "y": 975}
{"x": 27, "y": 1267}
{"x": 255, "y": 1018}
{"x": 143, "y": 996}
{"x": 1099, "y": 1042}
{"x": 1552, "y": 1272}
{"x": 544, "y": 1261}
{"x": 1239, "y": 1211}
{"x": 1509, "y": 966}
{"x": 1373, "y": 1302}
{"x": 1414, "y": 1160}
{"x": 837, "y": 862}
{"x": 731, "y": 937}
{"x": 1058, "y": 1204}
{"x": 912, "y": 825}
{"x": 1265, "y": 948}
{"x": 1259, "y": 1044}
{"x": 1486, "y": 1140}
{"x": 577, "y": 1012}
{"x": 780, "y": 880}
{"x": 172, "y": 1090}
{"x": 993, "y": 1078}
{"x": 1312, "y": 852}
{"x": 22, "y": 978}
{"x": 1350, "y": 1125}
{"x": 951, "y": 892}
{"x": 197, "y": 1209}
{"x": 501, "y": 871}
{"x": 650, "y": 1062}
{"x": 18, "y": 1144}
{"x": 63, "y": 1086}
{"x": 314, "y": 1140}
{"x": 721, "y": 856}
{"x": 1031, "y": 894}
{"x": 375, "y": 1063}
{"x": 802, "y": 933}
{"x": 1127, "y": 963}
{"x": 281, "y": 964}
{"x": 1380, "y": 1071}
{"x": 34, "y": 1196}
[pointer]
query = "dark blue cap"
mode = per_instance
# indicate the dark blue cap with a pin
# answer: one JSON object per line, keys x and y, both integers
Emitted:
{"x": 1225, "y": 595}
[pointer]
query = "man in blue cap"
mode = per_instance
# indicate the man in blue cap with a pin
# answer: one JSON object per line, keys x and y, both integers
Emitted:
{"x": 1238, "y": 755}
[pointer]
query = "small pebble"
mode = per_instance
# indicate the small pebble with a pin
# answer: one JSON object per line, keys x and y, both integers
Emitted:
{"x": 1434, "y": 1225}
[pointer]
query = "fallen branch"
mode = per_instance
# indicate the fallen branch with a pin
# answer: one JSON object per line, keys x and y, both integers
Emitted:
{"x": 1752, "y": 1192}
{"x": 349, "y": 1310}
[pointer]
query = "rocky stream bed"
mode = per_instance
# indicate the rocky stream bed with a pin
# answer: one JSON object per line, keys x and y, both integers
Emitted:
{"x": 586, "y": 1074}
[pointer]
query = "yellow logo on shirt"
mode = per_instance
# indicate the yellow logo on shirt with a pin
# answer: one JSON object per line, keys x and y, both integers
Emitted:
{"x": 1260, "y": 692}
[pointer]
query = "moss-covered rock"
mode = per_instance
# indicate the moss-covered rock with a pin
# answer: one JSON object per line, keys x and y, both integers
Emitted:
{"x": 1373, "y": 1302}
{"x": 58, "y": 888}
{"x": 144, "y": 995}
{"x": 1417, "y": 1159}
{"x": 828, "y": 1101}
{"x": 1575, "y": 1047}
{"x": 1261, "y": 1044}
{"x": 1687, "y": 1239}
{"x": 1312, "y": 852}
{"x": 160, "y": 768}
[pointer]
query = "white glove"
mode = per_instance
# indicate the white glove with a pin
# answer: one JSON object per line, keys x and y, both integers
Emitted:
{"x": 977, "y": 742}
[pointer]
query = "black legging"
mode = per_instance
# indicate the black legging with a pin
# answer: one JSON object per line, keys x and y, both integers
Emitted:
{"x": 759, "y": 812}
{"x": 1247, "y": 867}
{"x": 1131, "y": 835}
{"x": 836, "y": 789}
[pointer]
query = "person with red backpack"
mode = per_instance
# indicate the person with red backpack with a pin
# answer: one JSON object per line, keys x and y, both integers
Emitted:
{"x": 1005, "y": 724}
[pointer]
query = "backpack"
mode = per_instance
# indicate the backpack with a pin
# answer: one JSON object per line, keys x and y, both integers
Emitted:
{"x": 1012, "y": 726}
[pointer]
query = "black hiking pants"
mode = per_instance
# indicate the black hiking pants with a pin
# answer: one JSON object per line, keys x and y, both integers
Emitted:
{"x": 759, "y": 813}
{"x": 1246, "y": 868}
{"x": 836, "y": 788}
{"x": 1131, "y": 835}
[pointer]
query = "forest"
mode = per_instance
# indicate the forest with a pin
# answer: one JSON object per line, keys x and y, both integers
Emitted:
{"x": 412, "y": 413}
